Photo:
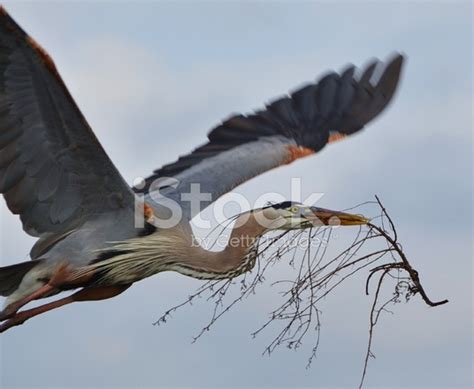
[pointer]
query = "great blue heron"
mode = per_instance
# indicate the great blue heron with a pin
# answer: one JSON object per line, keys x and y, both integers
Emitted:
{"x": 56, "y": 176}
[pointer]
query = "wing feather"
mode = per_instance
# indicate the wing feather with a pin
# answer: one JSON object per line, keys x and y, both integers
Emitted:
{"x": 290, "y": 127}
{"x": 53, "y": 171}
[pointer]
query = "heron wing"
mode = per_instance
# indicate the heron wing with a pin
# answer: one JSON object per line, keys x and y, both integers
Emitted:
{"x": 53, "y": 171}
{"x": 294, "y": 126}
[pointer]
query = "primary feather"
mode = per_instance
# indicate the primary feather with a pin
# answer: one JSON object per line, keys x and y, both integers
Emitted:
{"x": 296, "y": 125}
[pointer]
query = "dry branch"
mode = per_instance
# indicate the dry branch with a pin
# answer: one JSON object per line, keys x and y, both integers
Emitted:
{"x": 315, "y": 278}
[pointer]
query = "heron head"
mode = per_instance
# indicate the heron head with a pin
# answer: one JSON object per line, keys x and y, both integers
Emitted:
{"x": 290, "y": 215}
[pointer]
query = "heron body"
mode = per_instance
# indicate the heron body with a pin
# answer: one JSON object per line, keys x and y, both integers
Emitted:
{"x": 69, "y": 195}
{"x": 179, "y": 252}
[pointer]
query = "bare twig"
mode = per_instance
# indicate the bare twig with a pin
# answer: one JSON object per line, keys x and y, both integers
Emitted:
{"x": 315, "y": 278}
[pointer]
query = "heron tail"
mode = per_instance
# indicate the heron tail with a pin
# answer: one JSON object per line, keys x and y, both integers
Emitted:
{"x": 11, "y": 276}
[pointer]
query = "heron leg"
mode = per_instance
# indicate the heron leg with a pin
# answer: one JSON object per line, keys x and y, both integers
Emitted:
{"x": 86, "y": 294}
{"x": 13, "y": 308}
{"x": 59, "y": 276}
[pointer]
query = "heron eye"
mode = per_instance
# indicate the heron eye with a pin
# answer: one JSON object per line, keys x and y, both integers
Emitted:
{"x": 294, "y": 209}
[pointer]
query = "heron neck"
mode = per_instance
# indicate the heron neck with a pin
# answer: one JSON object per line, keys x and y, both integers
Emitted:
{"x": 238, "y": 256}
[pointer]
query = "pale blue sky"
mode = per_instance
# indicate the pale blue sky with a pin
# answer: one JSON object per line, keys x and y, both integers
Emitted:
{"x": 153, "y": 77}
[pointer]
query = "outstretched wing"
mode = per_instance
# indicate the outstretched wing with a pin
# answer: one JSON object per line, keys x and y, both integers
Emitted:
{"x": 53, "y": 171}
{"x": 291, "y": 127}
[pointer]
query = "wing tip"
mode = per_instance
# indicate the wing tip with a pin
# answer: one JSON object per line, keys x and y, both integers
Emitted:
{"x": 10, "y": 23}
{"x": 15, "y": 28}
{"x": 398, "y": 57}
{"x": 396, "y": 63}
{"x": 390, "y": 78}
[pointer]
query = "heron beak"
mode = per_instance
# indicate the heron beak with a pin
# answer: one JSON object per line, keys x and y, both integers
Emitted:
{"x": 327, "y": 217}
